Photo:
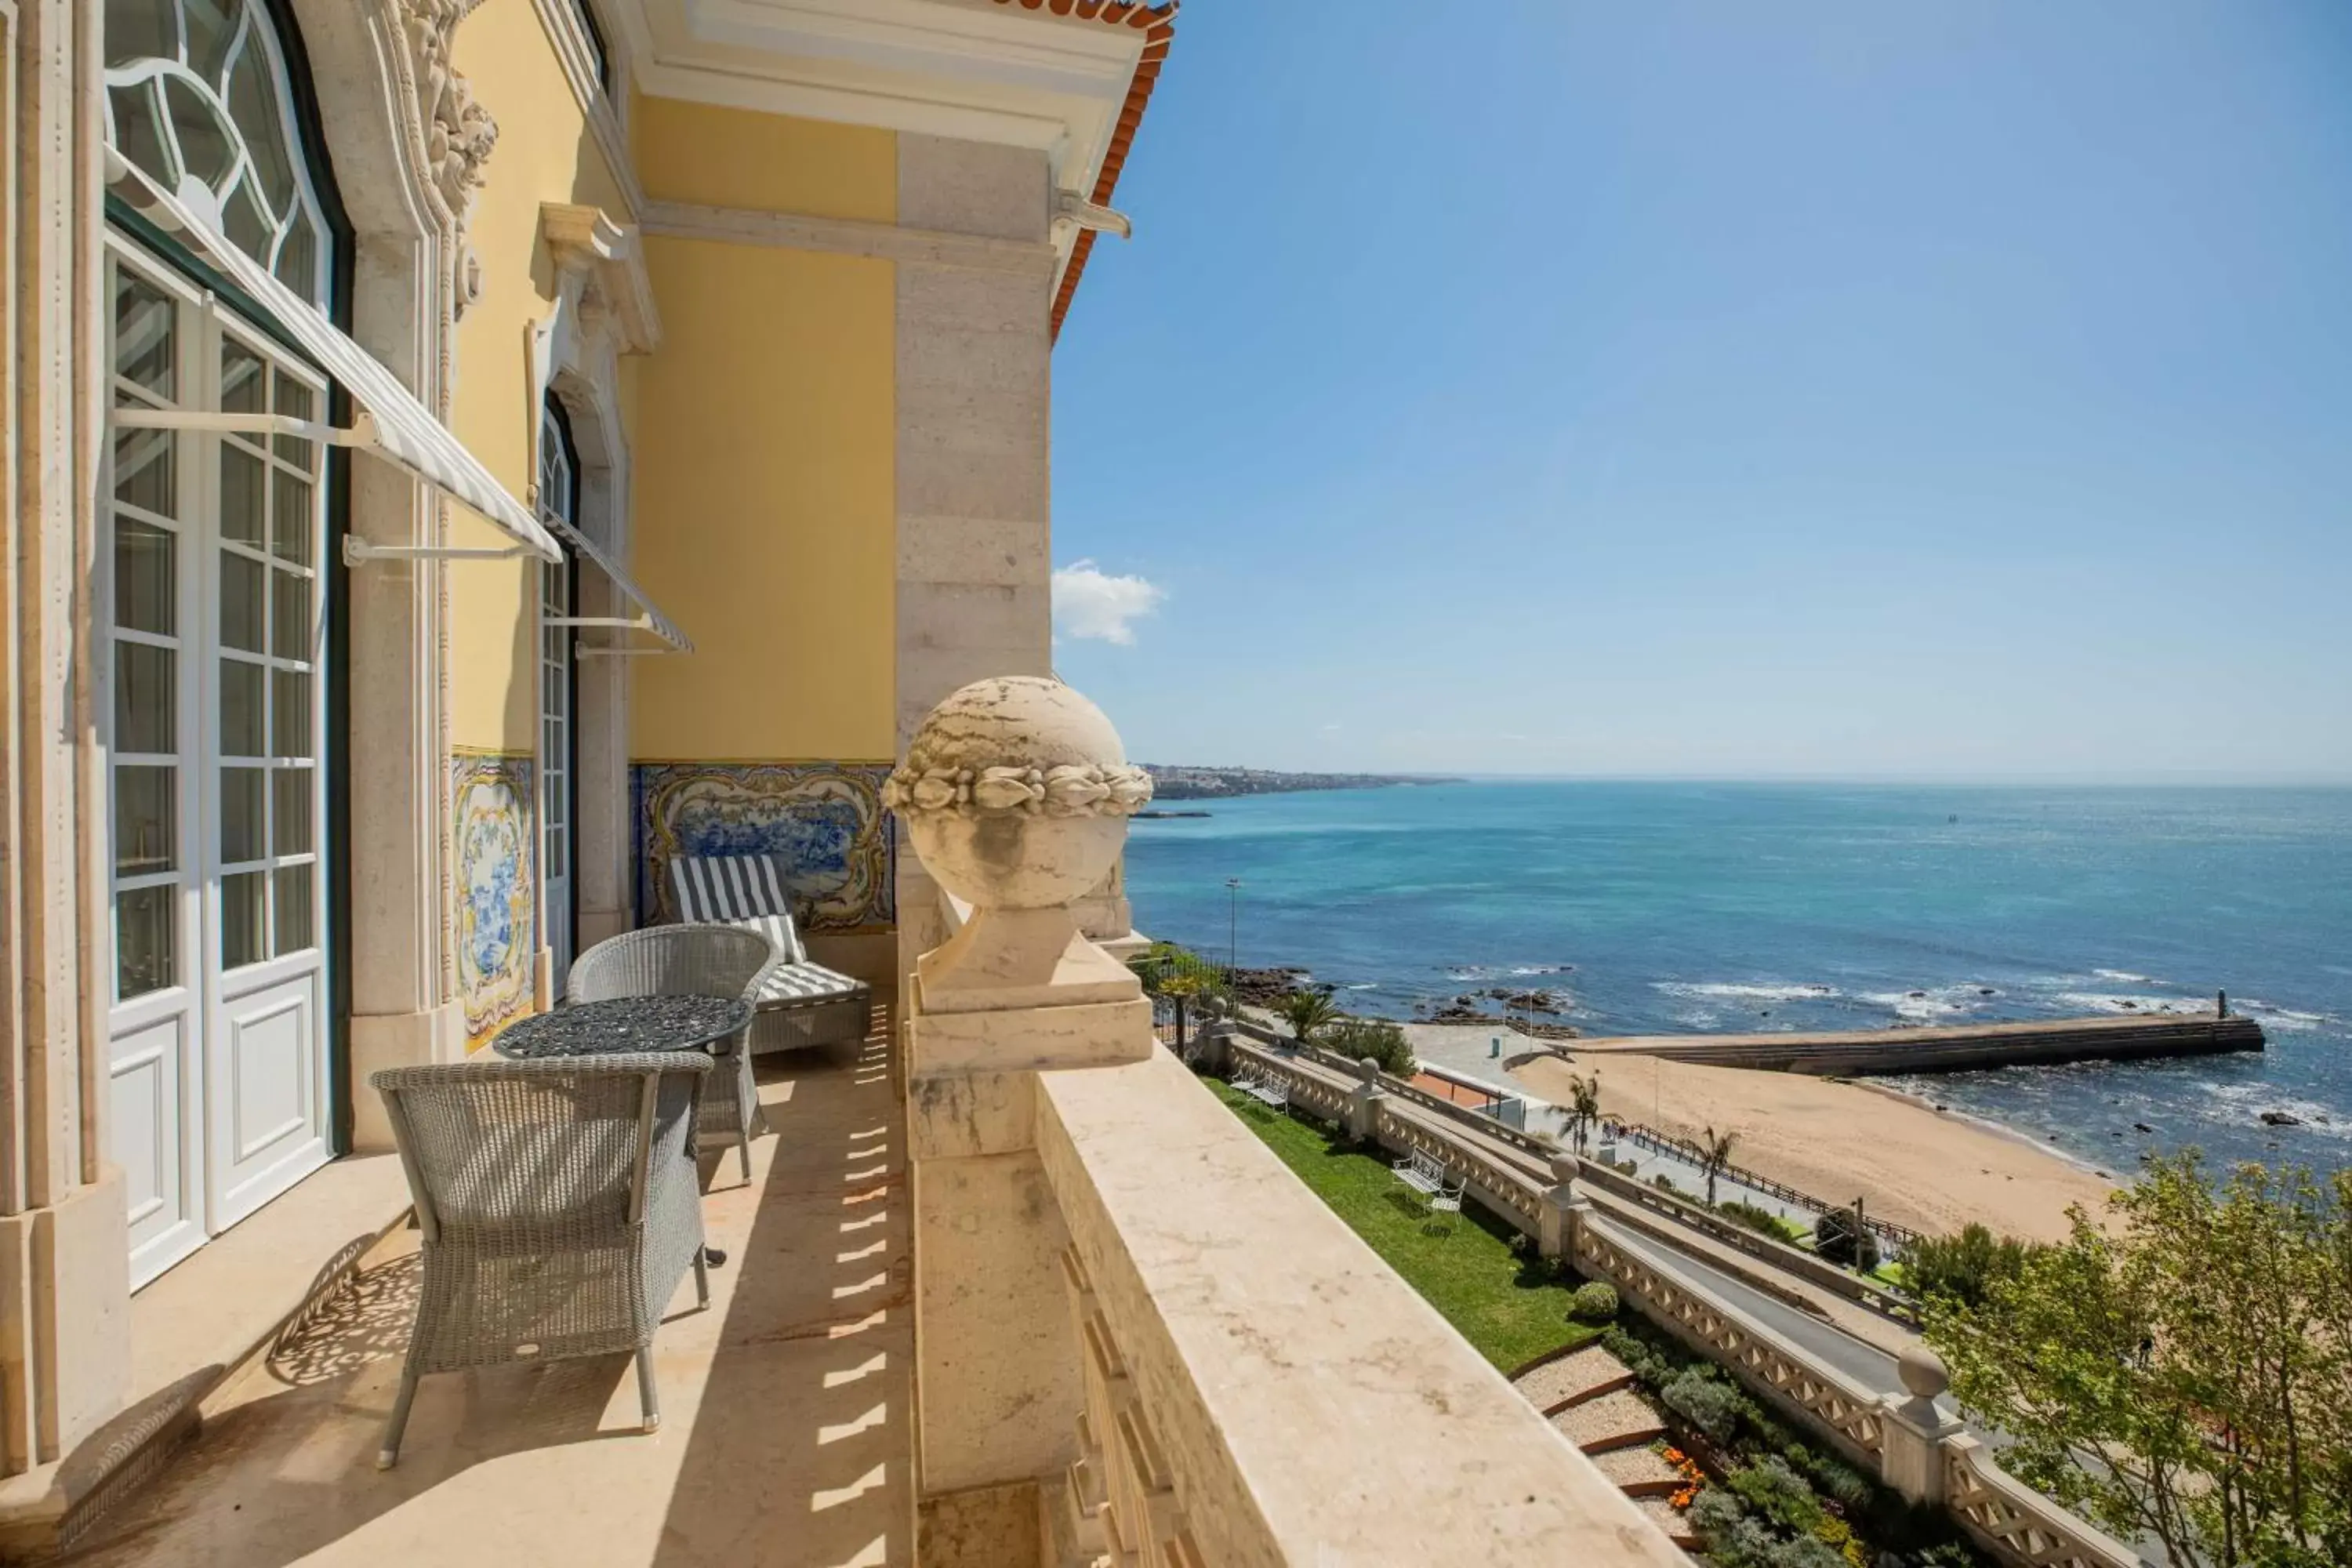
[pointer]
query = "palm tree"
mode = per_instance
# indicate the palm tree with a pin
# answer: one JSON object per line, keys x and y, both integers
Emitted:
{"x": 1714, "y": 1158}
{"x": 1307, "y": 1012}
{"x": 1583, "y": 1104}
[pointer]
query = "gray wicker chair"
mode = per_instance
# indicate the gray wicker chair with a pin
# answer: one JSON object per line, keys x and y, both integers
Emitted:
{"x": 559, "y": 1206}
{"x": 690, "y": 961}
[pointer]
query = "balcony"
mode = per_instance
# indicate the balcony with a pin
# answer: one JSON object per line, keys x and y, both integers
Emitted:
{"x": 1140, "y": 1339}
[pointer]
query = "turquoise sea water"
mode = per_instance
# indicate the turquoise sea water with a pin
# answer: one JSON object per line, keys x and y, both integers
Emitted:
{"x": 1687, "y": 907}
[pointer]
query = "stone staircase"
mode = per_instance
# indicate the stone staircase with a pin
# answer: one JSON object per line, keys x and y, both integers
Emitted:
{"x": 1587, "y": 1395}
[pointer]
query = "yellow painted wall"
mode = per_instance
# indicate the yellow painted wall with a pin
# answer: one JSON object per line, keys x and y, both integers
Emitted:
{"x": 764, "y": 506}
{"x": 544, "y": 154}
{"x": 710, "y": 156}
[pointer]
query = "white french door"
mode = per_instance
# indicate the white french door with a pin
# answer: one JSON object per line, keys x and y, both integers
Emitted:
{"x": 215, "y": 702}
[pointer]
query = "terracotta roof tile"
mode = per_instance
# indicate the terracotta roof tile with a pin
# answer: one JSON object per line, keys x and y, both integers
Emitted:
{"x": 1158, "y": 25}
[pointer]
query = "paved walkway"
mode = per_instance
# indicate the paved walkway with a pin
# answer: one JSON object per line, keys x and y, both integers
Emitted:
{"x": 785, "y": 1406}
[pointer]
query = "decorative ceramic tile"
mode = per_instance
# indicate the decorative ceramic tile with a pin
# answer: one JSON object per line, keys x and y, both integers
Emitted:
{"x": 498, "y": 936}
{"x": 825, "y": 818}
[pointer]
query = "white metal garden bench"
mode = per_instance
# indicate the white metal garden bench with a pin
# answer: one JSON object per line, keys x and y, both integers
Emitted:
{"x": 1267, "y": 1089}
{"x": 1427, "y": 1176}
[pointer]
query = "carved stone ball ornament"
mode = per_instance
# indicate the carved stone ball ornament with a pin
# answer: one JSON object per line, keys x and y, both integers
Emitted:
{"x": 1015, "y": 793}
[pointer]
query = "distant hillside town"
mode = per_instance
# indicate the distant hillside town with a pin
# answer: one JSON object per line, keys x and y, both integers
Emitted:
{"x": 1206, "y": 783}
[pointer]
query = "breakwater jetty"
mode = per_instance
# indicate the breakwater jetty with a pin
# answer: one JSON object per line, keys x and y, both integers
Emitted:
{"x": 1947, "y": 1048}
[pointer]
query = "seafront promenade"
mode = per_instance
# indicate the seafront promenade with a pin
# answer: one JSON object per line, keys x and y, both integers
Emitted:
{"x": 2039, "y": 1042}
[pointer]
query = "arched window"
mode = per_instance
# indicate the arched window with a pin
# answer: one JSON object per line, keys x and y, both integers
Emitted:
{"x": 198, "y": 97}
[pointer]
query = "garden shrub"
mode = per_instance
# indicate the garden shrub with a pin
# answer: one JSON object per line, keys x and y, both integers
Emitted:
{"x": 1755, "y": 1216}
{"x": 1837, "y": 1237}
{"x": 1963, "y": 1267}
{"x": 1778, "y": 1492}
{"x": 1593, "y": 1303}
{"x": 1706, "y": 1401}
{"x": 1356, "y": 1038}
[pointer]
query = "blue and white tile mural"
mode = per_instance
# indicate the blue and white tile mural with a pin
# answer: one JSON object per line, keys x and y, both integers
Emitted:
{"x": 826, "y": 819}
{"x": 498, "y": 936}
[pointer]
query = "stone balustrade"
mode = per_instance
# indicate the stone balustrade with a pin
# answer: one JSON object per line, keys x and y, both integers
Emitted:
{"x": 1824, "y": 1399}
{"x": 1909, "y": 1443}
{"x": 1139, "y": 1340}
{"x": 2017, "y": 1521}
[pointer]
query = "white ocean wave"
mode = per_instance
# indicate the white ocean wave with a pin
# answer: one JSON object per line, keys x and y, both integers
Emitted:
{"x": 2142, "y": 1005}
{"x": 1925, "y": 1006}
{"x": 2248, "y": 1101}
{"x": 2278, "y": 1018}
{"x": 2126, "y": 977}
{"x": 1767, "y": 991}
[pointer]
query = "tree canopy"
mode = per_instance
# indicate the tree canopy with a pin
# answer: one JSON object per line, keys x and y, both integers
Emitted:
{"x": 2184, "y": 1373}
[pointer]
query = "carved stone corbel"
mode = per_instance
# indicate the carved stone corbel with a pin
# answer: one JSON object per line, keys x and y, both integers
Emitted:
{"x": 458, "y": 133}
{"x": 608, "y": 264}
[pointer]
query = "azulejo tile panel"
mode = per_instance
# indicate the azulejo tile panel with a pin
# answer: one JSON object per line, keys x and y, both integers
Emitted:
{"x": 825, "y": 818}
{"x": 497, "y": 901}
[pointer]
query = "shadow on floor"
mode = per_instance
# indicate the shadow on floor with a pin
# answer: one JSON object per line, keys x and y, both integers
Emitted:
{"x": 787, "y": 1408}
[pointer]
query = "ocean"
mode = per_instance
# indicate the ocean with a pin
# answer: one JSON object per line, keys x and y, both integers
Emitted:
{"x": 1695, "y": 907}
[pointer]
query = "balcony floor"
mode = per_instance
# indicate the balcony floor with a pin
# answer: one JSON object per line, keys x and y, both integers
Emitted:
{"x": 785, "y": 1407}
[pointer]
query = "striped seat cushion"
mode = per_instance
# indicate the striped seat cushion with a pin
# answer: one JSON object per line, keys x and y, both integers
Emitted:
{"x": 800, "y": 984}
{"x": 780, "y": 934}
{"x": 713, "y": 888}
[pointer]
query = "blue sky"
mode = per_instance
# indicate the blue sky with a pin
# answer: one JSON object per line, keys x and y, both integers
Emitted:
{"x": 1670, "y": 388}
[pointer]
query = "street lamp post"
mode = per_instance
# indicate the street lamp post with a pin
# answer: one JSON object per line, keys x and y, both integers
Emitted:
{"x": 1232, "y": 923}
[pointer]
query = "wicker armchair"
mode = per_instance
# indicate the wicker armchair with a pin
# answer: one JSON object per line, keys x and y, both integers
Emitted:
{"x": 690, "y": 961}
{"x": 559, "y": 1207}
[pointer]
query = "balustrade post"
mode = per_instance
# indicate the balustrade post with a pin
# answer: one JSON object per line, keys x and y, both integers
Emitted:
{"x": 1556, "y": 1226}
{"x": 1364, "y": 1103}
{"x": 1015, "y": 794}
{"x": 1914, "y": 1431}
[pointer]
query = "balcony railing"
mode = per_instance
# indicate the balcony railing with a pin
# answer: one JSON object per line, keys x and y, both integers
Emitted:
{"x": 1138, "y": 1335}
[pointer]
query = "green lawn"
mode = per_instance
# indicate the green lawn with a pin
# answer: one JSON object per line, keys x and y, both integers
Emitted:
{"x": 1510, "y": 1305}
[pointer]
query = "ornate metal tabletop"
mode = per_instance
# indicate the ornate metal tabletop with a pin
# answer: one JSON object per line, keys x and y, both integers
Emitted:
{"x": 624, "y": 1024}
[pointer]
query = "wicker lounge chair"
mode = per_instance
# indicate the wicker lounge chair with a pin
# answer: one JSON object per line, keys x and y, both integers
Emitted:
{"x": 690, "y": 961}
{"x": 559, "y": 1208}
{"x": 801, "y": 1002}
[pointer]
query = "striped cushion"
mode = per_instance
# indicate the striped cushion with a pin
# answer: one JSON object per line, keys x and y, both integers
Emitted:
{"x": 717, "y": 888}
{"x": 781, "y": 935}
{"x": 788, "y": 984}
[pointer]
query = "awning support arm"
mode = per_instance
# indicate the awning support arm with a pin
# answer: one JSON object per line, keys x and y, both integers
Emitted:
{"x": 359, "y": 552}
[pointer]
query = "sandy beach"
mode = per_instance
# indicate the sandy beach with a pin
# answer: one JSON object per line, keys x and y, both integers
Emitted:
{"x": 1909, "y": 1162}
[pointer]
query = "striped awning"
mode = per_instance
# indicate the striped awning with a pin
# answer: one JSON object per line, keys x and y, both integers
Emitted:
{"x": 649, "y": 618}
{"x": 389, "y": 421}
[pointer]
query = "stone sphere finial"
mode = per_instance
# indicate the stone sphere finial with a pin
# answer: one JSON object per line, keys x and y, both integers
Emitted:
{"x": 1015, "y": 793}
{"x": 1368, "y": 1071}
{"x": 1563, "y": 1169}
{"x": 1923, "y": 1372}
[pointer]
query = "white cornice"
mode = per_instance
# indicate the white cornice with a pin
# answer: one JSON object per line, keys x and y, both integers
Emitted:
{"x": 968, "y": 69}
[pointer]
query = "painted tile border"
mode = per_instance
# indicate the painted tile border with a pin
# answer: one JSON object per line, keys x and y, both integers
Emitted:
{"x": 495, "y": 853}
{"x": 825, "y": 818}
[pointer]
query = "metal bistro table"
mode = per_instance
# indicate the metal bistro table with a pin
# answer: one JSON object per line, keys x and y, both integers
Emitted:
{"x": 624, "y": 1024}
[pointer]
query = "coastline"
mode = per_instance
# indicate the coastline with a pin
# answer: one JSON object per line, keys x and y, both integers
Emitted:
{"x": 1995, "y": 1128}
{"x": 1933, "y": 1170}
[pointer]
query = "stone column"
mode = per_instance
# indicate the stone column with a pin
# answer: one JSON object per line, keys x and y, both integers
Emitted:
{"x": 1364, "y": 1103}
{"x": 1915, "y": 1430}
{"x": 1015, "y": 794}
{"x": 1556, "y": 1232}
{"x": 972, "y": 379}
{"x": 64, "y": 1242}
